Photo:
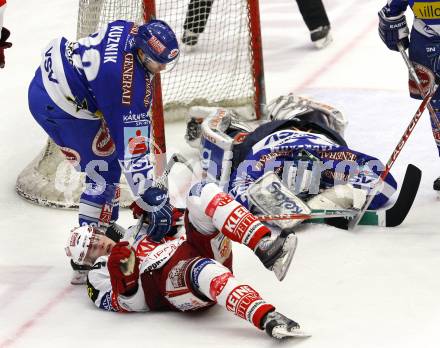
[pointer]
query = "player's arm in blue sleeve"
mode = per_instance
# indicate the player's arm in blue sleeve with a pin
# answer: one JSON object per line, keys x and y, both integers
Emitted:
{"x": 395, "y": 7}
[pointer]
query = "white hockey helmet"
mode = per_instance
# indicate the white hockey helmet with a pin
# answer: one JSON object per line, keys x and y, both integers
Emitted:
{"x": 78, "y": 243}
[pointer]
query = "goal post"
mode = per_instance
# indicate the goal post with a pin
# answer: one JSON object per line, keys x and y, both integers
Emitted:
{"x": 224, "y": 68}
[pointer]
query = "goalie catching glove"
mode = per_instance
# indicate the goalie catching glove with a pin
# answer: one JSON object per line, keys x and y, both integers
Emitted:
{"x": 124, "y": 279}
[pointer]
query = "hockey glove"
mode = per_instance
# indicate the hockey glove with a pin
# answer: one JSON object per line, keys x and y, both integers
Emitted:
{"x": 4, "y": 45}
{"x": 154, "y": 203}
{"x": 123, "y": 284}
{"x": 393, "y": 29}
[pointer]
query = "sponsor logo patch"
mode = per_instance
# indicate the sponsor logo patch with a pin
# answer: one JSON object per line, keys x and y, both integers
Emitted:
{"x": 218, "y": 284}
{"x": 240, "y": 299}
{"x": 338, "y": 155}
{"x": 127, "y": 78}
{"x": 426, "y": 78}
{"x": 48, "y": 65}
{"x": 156, "y": 45}
{"x": 173, "y": 53}
{"x": 141, "y": 118}
{"x": 136, "y": 141}
{"x": 92, "y": 291}
{"x": 71, "y": 155}
{"x": 102, "y": 143}
{"x": 426, "y": 10}
{"x": 147, "y": 97}
{"x": 238, "y": 222}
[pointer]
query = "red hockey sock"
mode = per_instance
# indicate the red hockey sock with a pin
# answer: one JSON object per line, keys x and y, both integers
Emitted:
{"x": 235, "y": 221}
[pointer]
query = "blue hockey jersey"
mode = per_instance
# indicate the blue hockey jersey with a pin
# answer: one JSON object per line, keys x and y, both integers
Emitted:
{"x": 98, "y": 76}
{"x": 328, "y": 162}
{"x": 426, "y": 14}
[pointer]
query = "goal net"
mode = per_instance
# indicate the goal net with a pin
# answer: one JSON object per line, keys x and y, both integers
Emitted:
{"x": 220, "y": 65}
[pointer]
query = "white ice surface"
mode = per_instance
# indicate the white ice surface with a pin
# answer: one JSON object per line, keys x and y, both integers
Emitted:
{"x": 375, "y": 287}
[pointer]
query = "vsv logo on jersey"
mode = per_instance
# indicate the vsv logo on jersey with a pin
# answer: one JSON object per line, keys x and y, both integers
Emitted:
{"x": 135, "y": 164}
{"x": 48, "y": 65}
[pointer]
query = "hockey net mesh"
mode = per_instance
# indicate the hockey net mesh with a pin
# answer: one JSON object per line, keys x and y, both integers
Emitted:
{"x": 216, "y": 71}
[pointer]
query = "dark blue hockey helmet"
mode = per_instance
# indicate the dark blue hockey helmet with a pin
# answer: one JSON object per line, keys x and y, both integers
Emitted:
{"x": 157, "y": 40}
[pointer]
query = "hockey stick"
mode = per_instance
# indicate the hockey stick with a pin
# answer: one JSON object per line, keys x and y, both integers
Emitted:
{"x": 415, "y": 77}
{"x": 355, "y": 221}
{"x": 315, "y": 214}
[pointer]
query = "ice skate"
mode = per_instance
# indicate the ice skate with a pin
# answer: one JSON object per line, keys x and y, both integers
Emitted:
{"x": 436, "y": 185}
{"x": 278, "y": 326}
{"x": 321, "y": 36}
{"x": 276, "y": 254}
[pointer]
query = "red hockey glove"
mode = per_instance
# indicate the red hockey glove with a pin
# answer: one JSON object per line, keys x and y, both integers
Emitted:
{"x": 123, "y": 284}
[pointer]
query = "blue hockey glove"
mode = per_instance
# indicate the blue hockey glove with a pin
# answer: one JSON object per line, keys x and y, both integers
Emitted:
{"x": 393, "y": 29}
{"x": 154, "y": 203}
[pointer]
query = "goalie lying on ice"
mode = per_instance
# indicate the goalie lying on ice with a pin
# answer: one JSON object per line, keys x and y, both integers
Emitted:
{"x": 191, "y": 271}
{"x": 301, "y": 141}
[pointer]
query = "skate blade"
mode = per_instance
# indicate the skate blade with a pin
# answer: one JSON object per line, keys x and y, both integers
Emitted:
{"x": 282, "y": 265}
{"x": 281, "y": 332}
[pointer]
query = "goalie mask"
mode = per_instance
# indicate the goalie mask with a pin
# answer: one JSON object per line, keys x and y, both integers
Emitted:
{"x": 158, "y": 44}
{"x": 86, "y": 244}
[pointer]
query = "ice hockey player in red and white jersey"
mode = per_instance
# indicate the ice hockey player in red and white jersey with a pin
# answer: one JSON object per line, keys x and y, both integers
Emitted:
{"x": 4, "y": 35}
{"x": 188, "y": 272}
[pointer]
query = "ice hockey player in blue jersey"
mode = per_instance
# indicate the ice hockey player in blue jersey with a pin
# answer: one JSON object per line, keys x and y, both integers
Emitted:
{"x": 93, "y": 97}
{"x": 301, "y": 145}
{"x": 424, "y": 47}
